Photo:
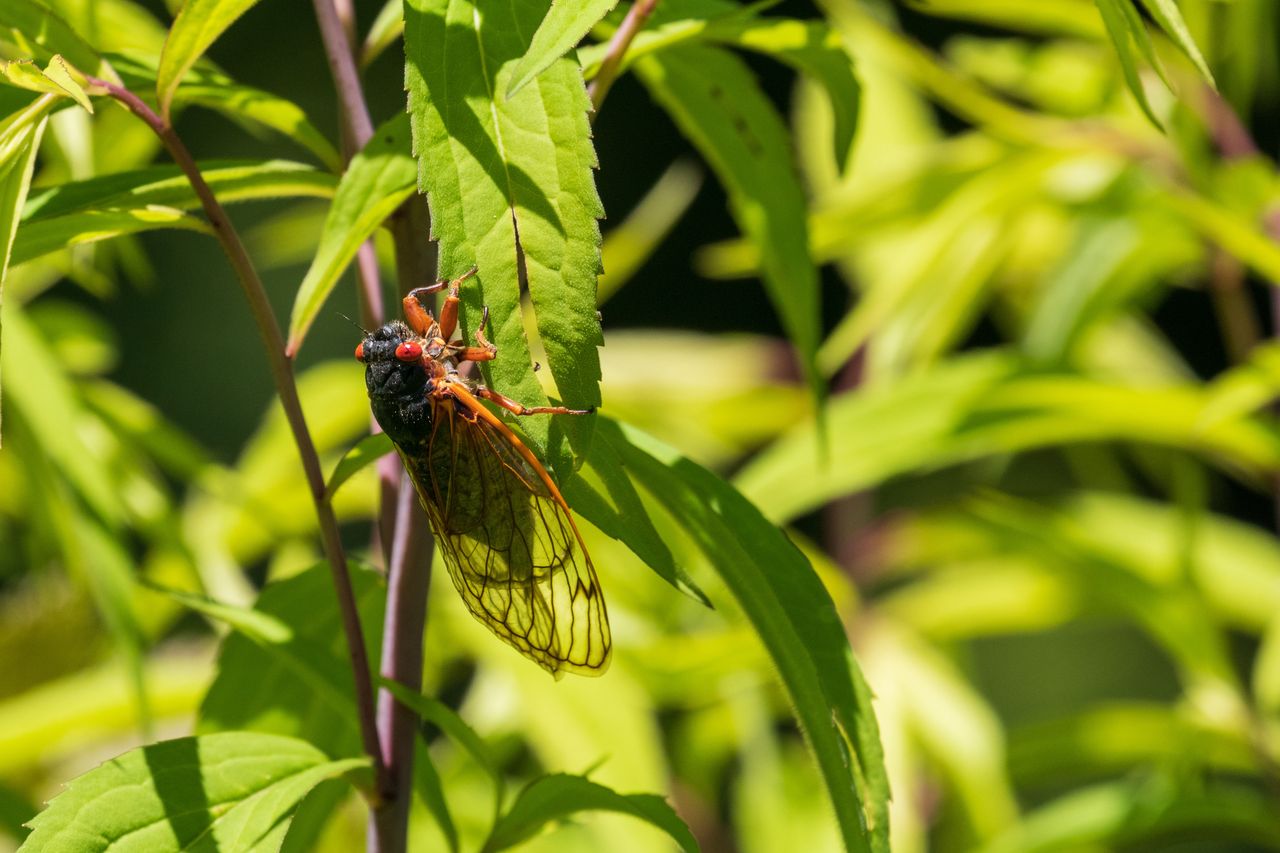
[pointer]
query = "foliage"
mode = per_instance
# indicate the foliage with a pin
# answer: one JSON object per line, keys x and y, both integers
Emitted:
{"x": 974, "y": 529}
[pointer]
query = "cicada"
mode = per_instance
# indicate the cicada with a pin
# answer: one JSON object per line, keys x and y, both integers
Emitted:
{"x": 503, "y": 529}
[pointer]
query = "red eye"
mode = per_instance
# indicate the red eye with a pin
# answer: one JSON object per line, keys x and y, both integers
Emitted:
{"x": 408, "y": 351}
{"x": 360, "y": 351}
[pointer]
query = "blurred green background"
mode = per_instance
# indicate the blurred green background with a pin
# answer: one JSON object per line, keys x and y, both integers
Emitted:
{"x": 1047, "y": 513}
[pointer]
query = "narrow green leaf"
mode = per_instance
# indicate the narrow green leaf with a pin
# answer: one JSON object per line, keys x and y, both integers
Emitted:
{"x": 147, "y": 199}
{"x": 511, "y": 190}
{"x": 19, "y": 140}
{"x": 89, "y": 226}
{"x": 430, "y": 788}
{"x": 41, "y": 26}
{"x": 367, "y": 451}
{"x": 622, "y": 516}
{"x": 251, "y": 106}
{"x": 383, "y": 32}
{"x": 311, "y": 693}
{"x": 794, "y": 618}
{"x": 260, "y": 627}
{"x": 1117, "y": 15}
{"x": 447, "y": 720}
{"x": 197, "y": 26}
{"x": 812, "y": 47}
{"x": 550, "y": 798}
{"x": 564, "y": 26}
{"x": 981, "y": 406}
{"x": 246, "y": 105}
{"x": 230, "y": 791}
{"x": 1144, "y": 813}
{"x": 377, "y": 181}
{"x": 36, "y": 387}
{"x": 55, "y": 79}
{"x": 716, "y": 102}
{"x": 167, "y": 186}
{"x": 1166, "y": 14}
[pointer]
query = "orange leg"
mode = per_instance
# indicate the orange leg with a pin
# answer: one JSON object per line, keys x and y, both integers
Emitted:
{"x": 416, "y": 314}
{"x": 476, "y": 354}
{"x": 521, "y": 409}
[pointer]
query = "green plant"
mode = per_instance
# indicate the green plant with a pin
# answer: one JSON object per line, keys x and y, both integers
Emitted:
{"x": 1023, "y": 493}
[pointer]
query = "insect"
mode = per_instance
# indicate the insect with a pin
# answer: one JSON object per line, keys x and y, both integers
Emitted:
{"x": 504, "y": 530}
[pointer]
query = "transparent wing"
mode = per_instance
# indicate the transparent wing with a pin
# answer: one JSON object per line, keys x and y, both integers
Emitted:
{"x": 509, "y": 544}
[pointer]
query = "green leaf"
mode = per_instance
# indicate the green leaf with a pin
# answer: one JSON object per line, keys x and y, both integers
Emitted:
{"x": 981, "y": 406}
{"x": 564, "y": 26}
{"x": 367, "y": 451}
{"x": 146, "y": 199}
{"x": 252, "y": 106}
{"x": 55, "y": 79}
{"x": 377, "y": 181}
{"x": 235, "y": 790}
{"x": 715, "y": 101}
{"x": 430, "y": 788}
{"x": 19, "y": 140}
{"x": 447, "y": 720}
{"x": 89, "y": 226}
{"x": 167, "y": 186}
{"x": 260, "y": 627}
{"x": 812, "y": 47}
{"x": 1144, "y": 814}
{"x": 385, "y": 29}
{"x": 559, "y": 795}
{"x": 311, "y": 693}
{"x": 623, "y": 516}
{"x": 1166, "y": 14}
{"x": 1120, "y": 737}
{"x": 197, "y": 26}
{"x": 794, "y": 618}
{"x": 41, "y": 26}
{"x": 211, "y": 89}
{"x": 1126, "y": 29}
{"x": 511, "y": 190}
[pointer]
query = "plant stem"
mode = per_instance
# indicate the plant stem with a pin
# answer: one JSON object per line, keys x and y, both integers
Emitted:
{"x": 612, "y": 62}
{"x": 408, "y": 580}
{"x": 402, "y": 524}
{"x": 282, "y": 374}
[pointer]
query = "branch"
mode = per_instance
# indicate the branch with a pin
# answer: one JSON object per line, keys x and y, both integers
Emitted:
{"x": 612, "y": 62}
{"x": 282, "y": 375}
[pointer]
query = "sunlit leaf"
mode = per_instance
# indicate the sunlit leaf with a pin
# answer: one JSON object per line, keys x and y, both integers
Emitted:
{"x": 511, "y": 190}
{"x": 795, "y": 619}
{"x": 1127, "y": 34}
{"x": 555, "y": 797}
{"x": 44, "y": 27}
{"x": 19, "y": 140}
{"x": 563, "y": 27}
{"x": 714, "y": 99}
{"x": 369, "y": 450}
{"x": 378, "y": 180}
{"x": 197, "y": 26}
{"x": 1166, "y": 14}
{"x": 222, "y": 791}
{"x": 311, "y": 693}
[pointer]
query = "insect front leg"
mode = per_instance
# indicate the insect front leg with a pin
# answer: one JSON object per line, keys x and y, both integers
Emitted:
{"x": 521, "y": 409}
{"x": 416, "y": 314}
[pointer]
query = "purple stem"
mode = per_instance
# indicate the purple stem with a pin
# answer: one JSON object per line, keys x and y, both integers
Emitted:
{"x": 402, "y": 523}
